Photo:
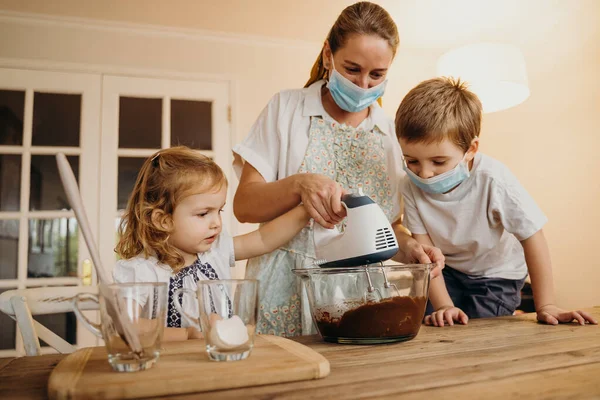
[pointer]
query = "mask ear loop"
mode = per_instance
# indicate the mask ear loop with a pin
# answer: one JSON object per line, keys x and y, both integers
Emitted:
{"x": 329, "y": 70}
{"x": 326, "y": 73}
{"x": 404, "y": 163}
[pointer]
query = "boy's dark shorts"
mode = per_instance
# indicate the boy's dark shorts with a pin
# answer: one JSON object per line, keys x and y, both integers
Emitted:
{"x": 481, "y": 297}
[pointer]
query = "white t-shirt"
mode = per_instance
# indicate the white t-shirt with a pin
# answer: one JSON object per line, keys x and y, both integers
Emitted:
{"x": 479, "y": 225}
{"x": 279, "y": 138}
{"x": 212, "y": 264}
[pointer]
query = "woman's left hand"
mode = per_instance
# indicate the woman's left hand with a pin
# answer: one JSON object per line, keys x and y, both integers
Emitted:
{"x": 552, "y": 315}
{"x": 418, "y": 249}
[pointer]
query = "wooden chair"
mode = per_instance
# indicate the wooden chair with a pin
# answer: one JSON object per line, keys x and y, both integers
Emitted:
{"x": 22, "y": 304}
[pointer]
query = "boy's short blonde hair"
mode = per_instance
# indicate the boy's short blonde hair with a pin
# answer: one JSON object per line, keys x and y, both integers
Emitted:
{"x": 437, "y": 109}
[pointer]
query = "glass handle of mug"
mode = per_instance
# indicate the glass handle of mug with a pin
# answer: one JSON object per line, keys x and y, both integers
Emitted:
{"x": 191, "y": 320}
{"x": 92, "y": 327}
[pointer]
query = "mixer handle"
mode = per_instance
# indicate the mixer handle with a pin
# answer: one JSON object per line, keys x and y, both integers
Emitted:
{"x": 353, "y": 200}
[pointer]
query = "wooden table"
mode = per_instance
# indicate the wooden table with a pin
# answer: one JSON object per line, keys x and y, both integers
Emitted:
{"x": 496, "y": 358}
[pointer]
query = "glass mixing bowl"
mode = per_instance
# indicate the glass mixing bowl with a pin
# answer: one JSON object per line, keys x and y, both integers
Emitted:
{"x": 368, "y": 304}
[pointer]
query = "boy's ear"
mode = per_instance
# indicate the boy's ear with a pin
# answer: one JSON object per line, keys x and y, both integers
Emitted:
{"x": 473, "y": 149}
{"x": 162, "y": 220}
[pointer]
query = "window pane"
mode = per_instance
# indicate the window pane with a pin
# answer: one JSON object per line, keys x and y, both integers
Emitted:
{"x": 191, "y": 124}
{"x": 52, "y": 248}
{"x": 10, "y": 182}
{"x": 140, "y": 123}
{"x": 128, "y": 172}
{"x": 12, "y": 108}
{"x": 9, "y": 248}
{"x": 64, "y": 325}
{"x": 8, "y": 331}
{"x": 56, "y": 119}
{"x": 45, "y": 189}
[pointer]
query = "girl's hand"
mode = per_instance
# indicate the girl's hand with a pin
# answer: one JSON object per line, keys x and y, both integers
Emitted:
{"x": 321, "y": 197}
{"x": 448, "y": 314}
{"x": 552, "y": 315}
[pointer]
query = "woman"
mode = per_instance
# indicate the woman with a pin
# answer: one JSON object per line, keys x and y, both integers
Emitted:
{"x": 311, "y": 145}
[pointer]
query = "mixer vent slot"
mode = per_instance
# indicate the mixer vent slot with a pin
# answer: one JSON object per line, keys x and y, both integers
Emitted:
{"x": 384, "y": 239}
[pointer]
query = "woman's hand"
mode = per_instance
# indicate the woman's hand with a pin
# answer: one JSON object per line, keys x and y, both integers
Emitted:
{"x": 552, "y": 315}
{"x": 321, "y": 197}
{"x": 447, "y": 314}
{"x": 434, "y": 255}
{"x": 418, "y": 249}
{"x": 425, "y": 254}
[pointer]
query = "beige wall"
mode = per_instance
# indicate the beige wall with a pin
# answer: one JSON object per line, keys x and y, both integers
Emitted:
{"x": 550, "y": 142}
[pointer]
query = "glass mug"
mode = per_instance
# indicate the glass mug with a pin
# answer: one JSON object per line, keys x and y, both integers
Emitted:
{"x": 132, "y": 320}
{"x": 227, "y": 310}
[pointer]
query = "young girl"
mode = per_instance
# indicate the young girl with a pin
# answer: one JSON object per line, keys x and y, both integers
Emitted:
{"x": 172, "y": 230}
{"x": 472, "y": 208}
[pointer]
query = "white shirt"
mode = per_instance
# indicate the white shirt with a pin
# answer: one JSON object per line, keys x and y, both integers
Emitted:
{"x": 140, "y": 269}
{"x": 479, "y": 225}
{"x": 279, "y": 138}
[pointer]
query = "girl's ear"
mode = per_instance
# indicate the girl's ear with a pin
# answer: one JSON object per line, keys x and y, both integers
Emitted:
{"x": 162, "y": 220}
{"x": 472, "y": 149}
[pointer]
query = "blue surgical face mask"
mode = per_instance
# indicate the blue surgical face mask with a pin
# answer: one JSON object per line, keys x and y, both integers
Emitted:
{"x": 441, "y": 183}
{"x": 349, "y": 96}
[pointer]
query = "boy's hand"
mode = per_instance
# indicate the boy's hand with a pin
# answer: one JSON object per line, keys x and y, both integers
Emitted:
{"x": 552, "y": 315}
{"x": 448, "y": 314}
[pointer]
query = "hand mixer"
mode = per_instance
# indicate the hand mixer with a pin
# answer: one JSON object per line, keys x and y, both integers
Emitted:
{"x": 367, "y": 238}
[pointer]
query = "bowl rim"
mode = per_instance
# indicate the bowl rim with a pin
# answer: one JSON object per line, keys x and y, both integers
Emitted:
{"x": 316, "y": 270}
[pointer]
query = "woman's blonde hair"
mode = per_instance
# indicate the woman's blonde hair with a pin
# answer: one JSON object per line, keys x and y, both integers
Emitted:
{"x": 362, "y": 18}
{"x": 165, "y": 178}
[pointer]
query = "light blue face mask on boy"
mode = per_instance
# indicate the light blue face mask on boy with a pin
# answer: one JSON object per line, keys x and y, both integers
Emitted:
{"x": 349, "y": 96}
{"x": 441, "y": 183}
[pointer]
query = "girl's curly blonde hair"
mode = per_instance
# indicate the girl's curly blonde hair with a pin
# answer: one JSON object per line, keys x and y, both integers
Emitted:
{"x": 165, "y": 178}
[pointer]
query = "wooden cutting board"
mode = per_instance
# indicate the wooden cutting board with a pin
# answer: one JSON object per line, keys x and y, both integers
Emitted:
{"x": 184, "y": 367}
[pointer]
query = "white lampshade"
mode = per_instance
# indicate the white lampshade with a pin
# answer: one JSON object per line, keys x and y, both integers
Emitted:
{"x": 496, "y": 73}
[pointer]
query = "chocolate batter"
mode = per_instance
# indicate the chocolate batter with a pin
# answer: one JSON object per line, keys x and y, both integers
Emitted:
{"x": 399, "y": 316}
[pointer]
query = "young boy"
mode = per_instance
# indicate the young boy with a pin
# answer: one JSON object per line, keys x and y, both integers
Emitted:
{"x": 472, "y": 208}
